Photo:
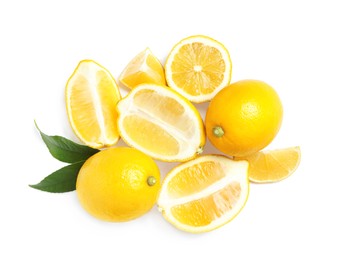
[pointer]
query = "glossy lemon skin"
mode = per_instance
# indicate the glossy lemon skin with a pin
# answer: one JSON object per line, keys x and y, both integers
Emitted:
{"x": 115, "y": 184}
{"x": 249, "y": 113}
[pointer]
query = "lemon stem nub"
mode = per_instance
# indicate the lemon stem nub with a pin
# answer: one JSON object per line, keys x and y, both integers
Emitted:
{"x": 199, "y": 150}
{"x": 151, "y": 180}
{"x": 218, "y": 131}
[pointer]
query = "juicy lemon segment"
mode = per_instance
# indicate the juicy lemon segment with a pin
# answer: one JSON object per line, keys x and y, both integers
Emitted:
{"x": 201, "y": 212}
{"x": 198, "y": 67}
{"x": 188, "y": 181}
{"x": 91, "y": 97}
{"x": 205, "y": 193}
{"x": 143, "y": 68}
{"x": 273, "y": 165}
{"x": 161, "y": 123}
{"x": 141, "y": 130}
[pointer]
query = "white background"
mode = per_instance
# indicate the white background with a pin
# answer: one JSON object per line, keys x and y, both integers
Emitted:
{"x": 295, "y": 46}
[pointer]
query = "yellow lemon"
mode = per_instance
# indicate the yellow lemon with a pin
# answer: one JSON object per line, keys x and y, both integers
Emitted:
{"x": 198, "y": 67}
{"x": 244, "y": 117}
{"x": 143, "y": 68}
{"x": 118, "y": 184}
{"x": 204, "y": 193}
{"x": 91, "y": 95}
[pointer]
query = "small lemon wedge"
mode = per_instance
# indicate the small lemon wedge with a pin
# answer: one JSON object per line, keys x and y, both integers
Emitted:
{"x": 143, "y": 68}
{"x": 273, "y": 165}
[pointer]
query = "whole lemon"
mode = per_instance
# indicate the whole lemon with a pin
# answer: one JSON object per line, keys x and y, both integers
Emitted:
{"x": 118, "y": 184}
{"x": 244, "y": 117}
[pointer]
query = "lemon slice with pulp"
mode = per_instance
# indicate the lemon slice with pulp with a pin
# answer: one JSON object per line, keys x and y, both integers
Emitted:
{"x": 91, "y": 97}
{"x": 161, "y": 123}
{"x": 198, "y": 67}
{"x": 273, "y": 165}
{"x": 143, "y": 68}
{"x": 205, "y": 193}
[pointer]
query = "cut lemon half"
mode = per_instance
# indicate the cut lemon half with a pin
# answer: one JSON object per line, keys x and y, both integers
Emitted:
{"x": 274, "y": 165}
{"x": 198, "y": 67}
{"x": 143, "y": 68}
{"x": 205, "y": 193}
{"x": 161, "y": 123}
{"x": 91, "y": 97}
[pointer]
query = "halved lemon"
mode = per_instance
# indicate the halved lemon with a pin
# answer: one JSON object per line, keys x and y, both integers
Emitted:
{"x": 161, "y": 123}
{"x": 143, "y": 68}
{"x": 91, "y": 97}
{"x": 205, "y": 193}
{"x": 273, "y": 165}
{"x": 198, "y": 67}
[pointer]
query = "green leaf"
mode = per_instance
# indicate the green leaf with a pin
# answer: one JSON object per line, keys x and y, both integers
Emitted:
{"x": 66, "y": 150}
{"x": 62, "y": 180}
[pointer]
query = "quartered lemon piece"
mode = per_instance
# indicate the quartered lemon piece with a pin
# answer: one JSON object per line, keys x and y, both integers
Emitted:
{"x": 273, "y": 165}
{"x": 161, "y": 123}
{"x": 143, "y": 68}
{"x": 205, "y": 193}
{"x": 91, "y": 98}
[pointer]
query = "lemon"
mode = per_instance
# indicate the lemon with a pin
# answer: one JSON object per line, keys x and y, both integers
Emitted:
{"x": 198, "y": 67}
{"x": 244, "y": 117}
{"x": 143, "y": 68}
{"x": 118, "y": 184}
{"x": 204, "y": 193}
{"x": 161, "y": 123}
{"x": 91, "y": 95}
{"x": 273, "y": 165}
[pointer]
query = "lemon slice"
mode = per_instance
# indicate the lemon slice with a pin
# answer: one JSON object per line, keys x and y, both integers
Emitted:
{"x": 91, "y": 97}
{"x": 274, "y": 165}
{"x": 143, "y": 68}
{"x": 205, "y": 193}
{"x": 198, "y": 67}
{"x": 159, "y": 122}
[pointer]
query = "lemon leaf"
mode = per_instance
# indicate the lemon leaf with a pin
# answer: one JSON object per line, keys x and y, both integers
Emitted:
{"x": 62, "y": 180}
{"x": 66, "y": 150}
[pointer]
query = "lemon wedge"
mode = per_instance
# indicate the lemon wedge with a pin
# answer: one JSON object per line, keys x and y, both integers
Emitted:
{"x": 273, "y": 165}
{"x": 205, "y": 193}
{"x": 161, "y": 123}
{"x": 91, "y": 96}
{"x": 143, "y": 68}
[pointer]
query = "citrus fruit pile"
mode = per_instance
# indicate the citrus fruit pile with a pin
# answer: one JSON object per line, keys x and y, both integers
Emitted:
{"x": 158, "y": 121}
